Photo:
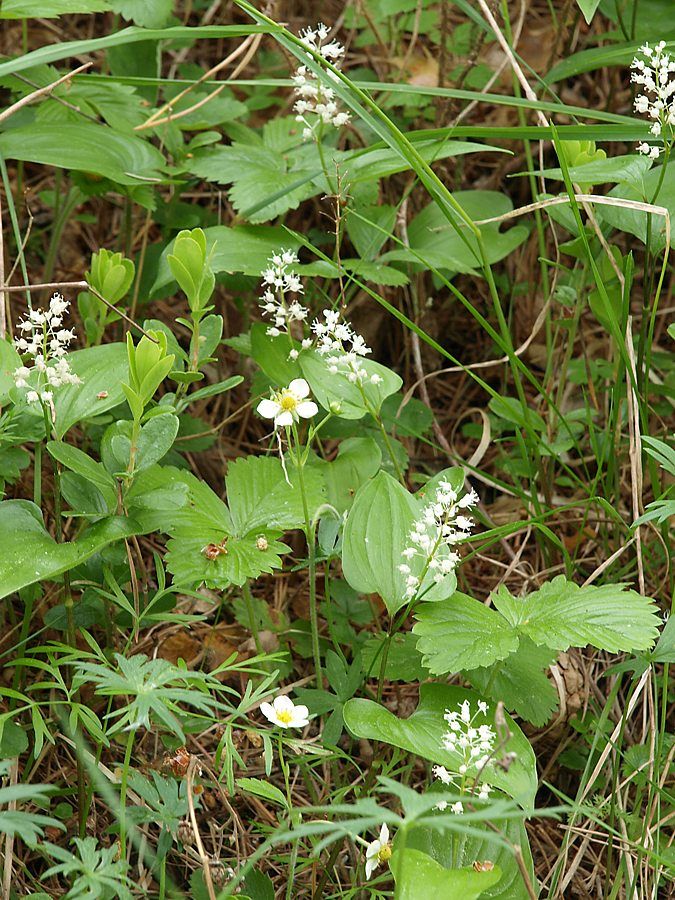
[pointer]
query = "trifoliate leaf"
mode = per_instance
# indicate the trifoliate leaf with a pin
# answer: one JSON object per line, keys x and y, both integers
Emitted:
{"x": 561, "y": 615}
{"x": 462, "y": 633}
{"x": 520, "y": 682}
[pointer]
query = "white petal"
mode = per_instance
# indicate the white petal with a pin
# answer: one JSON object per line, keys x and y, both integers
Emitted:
{"x": 299, "y": 387}
{"x": 301, "y": 712}
{"x": 282, "y": 703}
{"x": 268, "y": 409}
{"x": 284, "y": 419}
{"x": 307, "y": 409}
{"x": 371, "y": 865}
{"x": 384, "y": 835}
{"x": 268, "y": 711}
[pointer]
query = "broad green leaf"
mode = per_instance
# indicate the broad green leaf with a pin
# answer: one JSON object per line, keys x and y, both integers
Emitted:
{"x": 588, "y": 8}
{"x": 239, "y": 249}
{"x": 664, "y": 652}
{"x": 156, "y": 499}
{"x": 101, "y": 371}
{"x": 82, "y": 464}
{"x": 49, "y": 9}
{"x": 345, "y": 399}
{"x": 436, "y": 242}
{"x": 422, "y": 734}
{"x": 147, "y": 13}
{"x": 381, "y": 162}
{"x": 13, "y": 742}
{"x": 9, "y": 363}
{"x": 468, "y": 849}
{"x": 85, "y": 147}
{"x": 520, "y": 682}
{"x": 561, "y": 614}
{"x": 418, "y": 875}
{"x": 357, "y": 461}
{"x": 461, "y": 633}
{"x": 259, "y": 496}
{"x": 133, "y": 35}
{"x": 404, "y": 662}
{"x": 272, "y": 355}
{"x": 375, "y": 535}
{"x": 30, "y": 554}
{"x": 155, "y": 440}
{"x": 631, "y": 168}
{"x": 368, "y": 238}
{"x": 635, "y": 222}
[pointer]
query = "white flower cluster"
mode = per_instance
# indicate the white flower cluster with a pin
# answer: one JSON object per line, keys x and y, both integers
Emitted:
{"x": 43, "y": 338}
{"x": 314, "y": 99}
{"x": 279, "y": 281}
{"x": 474, "y": 743}
{"x": 441, "y": 526}
{"x": 656, "y": 74}
{"x": 343, "y": 348}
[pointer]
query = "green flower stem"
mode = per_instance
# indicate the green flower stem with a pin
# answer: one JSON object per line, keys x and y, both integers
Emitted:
{"x": 311, "y": 552}
{"x": 123, "y": 794}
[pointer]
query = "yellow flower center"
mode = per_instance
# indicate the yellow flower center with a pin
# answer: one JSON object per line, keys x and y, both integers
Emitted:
{"x": 285, "y": 716}
{"x": 384, "y": 854}
{"x": 287, "y": 401}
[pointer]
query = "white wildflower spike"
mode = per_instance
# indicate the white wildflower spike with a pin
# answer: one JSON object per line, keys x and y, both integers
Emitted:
{"x": 284, "y": 713}
{"x": 440, "y": 528}
{"x": 43, "y": 338}
{"x": 378, "y": 851}
{"x": 316, "y": 103}
{"x": 289, "y": 404}
{"x": 474, "y": 743}
{"x": 343, "y": 348}
{"x": 279, "y": 281}
{"x": 655, "y": 74}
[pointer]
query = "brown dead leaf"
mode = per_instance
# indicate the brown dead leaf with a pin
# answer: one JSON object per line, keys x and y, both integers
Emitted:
{"x": 178, "y": 646}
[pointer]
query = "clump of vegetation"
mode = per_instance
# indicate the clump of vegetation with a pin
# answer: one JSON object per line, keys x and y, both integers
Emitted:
{"x": 336, "y": 458}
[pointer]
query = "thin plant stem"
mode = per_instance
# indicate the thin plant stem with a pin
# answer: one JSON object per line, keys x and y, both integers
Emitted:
{"x": 123, "y": 794}
{"x": 311, "y": 554}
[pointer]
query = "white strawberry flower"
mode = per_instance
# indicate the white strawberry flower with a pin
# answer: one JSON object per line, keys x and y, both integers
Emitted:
{"x": 289, "y": 404}
{"x": 284, "y": 713}
{"x": 378, "y": 851}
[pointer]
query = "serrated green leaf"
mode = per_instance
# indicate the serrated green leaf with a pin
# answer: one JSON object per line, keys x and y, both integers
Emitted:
{"x": 461, "y": 633}
{"x": 404, "y": 662}
{"x": 520, "y": 682}
{"x": 263, "y": 789}
{"x": 259, "y": 496}
{"x": 422, "y": 734}
{"x": 664, "y": 652}
{"x": 561, "y": 614}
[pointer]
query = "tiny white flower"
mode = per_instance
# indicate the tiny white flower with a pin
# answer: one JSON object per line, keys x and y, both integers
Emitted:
{"x": 284, "y": 713}
{"x": 378, "y": 851}
{"x": 32, "y": 396}
{"x": 289, "y": 405}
